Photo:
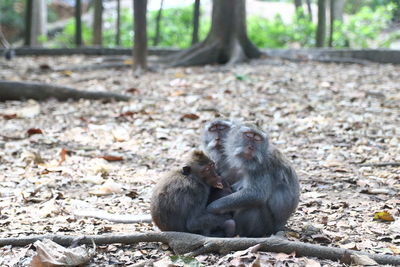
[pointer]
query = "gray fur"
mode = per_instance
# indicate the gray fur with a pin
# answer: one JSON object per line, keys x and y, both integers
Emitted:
{"x": 269, "y": 190}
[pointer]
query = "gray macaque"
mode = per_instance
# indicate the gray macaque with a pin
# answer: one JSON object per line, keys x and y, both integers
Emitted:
{"x": 267, "y": 194}
{"x": 213, "y": 141}
{"x": 179, "y": 200}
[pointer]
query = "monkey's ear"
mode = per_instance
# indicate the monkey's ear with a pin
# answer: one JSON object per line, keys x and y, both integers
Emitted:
{"x": 186, "y": 170}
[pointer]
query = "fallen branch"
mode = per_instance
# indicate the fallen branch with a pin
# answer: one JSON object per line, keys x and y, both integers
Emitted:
{"x": 182, "y": 243}
{"x": 383, "y": 164}
{"x": 38, "y": 91}
{"x": 117, "y": 218}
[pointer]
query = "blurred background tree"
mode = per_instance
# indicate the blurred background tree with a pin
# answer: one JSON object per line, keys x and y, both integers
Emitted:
{"x": 292, "y": 24}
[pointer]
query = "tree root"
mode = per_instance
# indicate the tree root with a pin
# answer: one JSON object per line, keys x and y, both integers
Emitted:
{"x": 192, "y": 244}
{"x": 38, "y": 91}
{"x": 199, "y": 55}
{"x": 117, "y": 218}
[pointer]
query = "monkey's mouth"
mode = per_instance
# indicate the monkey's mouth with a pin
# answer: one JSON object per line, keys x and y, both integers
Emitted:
{"x": 219, "y": 185}
{"x": 248, "y": 153}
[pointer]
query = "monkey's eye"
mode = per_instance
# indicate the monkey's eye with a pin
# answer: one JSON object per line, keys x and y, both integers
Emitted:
{"x": 258, "y": 137}
{"x": 213, "y": 128}
{"x": 253, "y": 136}
{"x": 249, "y": 135}
{"x": 222, "y": 127}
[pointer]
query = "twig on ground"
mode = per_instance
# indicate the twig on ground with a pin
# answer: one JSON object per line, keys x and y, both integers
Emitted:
{"x": 192, "y": 244}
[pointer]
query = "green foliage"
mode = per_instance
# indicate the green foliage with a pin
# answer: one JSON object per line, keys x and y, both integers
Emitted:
{"x": 67, "y": 37}
{"x": 275, "y": 33}
{"x": 175, "y": 29}
{"x": 12, "y": 14}
{"x": 363, "y": 29}
{"x": 358, "y": 31}
{"x": 354, "y": 6}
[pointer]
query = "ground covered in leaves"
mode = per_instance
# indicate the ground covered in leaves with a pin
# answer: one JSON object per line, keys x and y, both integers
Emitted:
{"x": 334, "y": 122}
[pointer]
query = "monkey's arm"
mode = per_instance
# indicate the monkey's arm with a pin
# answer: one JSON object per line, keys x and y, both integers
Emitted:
{"x": 245, "y": 198}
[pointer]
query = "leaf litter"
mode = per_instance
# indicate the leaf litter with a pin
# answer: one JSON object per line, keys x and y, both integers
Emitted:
{"x": 328, "y": 119}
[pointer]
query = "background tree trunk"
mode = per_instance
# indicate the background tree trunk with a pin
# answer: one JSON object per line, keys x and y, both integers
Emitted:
{"x": 309, "y": 9}
{"x": 118, "y": 24}
{"x": 156, "y": 39}
{"x": 28, "y": 21}
{"x": 196, "y": 19}
{"x": 98, "y": 22}
{"x": 298, "y": 6}
{"x": 321, "y": 27}
{"x": 78, "y": 23}
{"x": 140, "y": 35}
{"x": 227, "y": 41}
{"x": 38, "y": 22}
{"x": 336, "y": 14}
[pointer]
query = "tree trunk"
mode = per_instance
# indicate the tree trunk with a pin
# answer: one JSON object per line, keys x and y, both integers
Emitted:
{"x": 156, "y": 39}
{"x": 28, "y": 22}
{"x": 309, "y": 9}
{"x": 336, "y": 14}
{"x": 227, "y": 41}
{"x": 38, "y": 22}
{"x": 140, "y": 35}
{"x": 298, "y": 7}
{"x": 78, "y": 23}
{"x": 196, "y": 19}
{"x": 396, "y": 11}
{"x": 118, "y": 24}
{"x": 98, "y": 22}
{"x": 321, "y": 27}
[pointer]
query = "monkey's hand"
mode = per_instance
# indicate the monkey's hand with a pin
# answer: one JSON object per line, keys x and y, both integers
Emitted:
{"x": 237, "y": 186}
{"x": 245, "y": 198}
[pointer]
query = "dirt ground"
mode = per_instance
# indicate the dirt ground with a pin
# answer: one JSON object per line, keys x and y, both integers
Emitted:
{"x": 330, "y": 120}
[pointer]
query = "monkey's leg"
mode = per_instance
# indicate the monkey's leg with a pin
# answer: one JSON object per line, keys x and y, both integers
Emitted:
{"x": 282, "y": 204}
{"x": 204, "y": 223}
{"x": 255, "y": 222}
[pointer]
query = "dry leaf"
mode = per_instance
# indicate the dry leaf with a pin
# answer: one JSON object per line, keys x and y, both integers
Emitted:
{"x": 132, "y": 90}
{"x": 383, "y": 216}
{"x": 112, "y": 158}
{"x": 108, "y": 188}
{"x": 311, "y": 263}
{"x": 51, "y": 254}
{"x": 63, "y": 155}
{"x": 190, "y": 116}
{"x": 9, "y": 116}
{"x": 67, "y": 73}
{"x": 363, "y": 260}
{"x": 33, "y": 131}
{"x": 48, "y": 208}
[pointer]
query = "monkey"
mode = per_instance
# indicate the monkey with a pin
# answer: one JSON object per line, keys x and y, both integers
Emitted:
{"x": 213, "y": 139}
{"x": 179, "y": 200}
{"x": 267, "y": 194}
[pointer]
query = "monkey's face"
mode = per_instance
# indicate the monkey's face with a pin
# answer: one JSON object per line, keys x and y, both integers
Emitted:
{"x": 215, "y": 133}
{"x": 209, "y": 175}
{"x": 246, "y": 146}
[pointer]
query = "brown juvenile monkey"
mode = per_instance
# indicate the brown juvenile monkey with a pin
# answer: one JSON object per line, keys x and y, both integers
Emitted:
{"x": 179, "y": 200}
{"x": 269, "y": 190}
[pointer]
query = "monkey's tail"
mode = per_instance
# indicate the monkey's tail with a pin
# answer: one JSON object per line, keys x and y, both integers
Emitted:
{"x": 117, "y": 218}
